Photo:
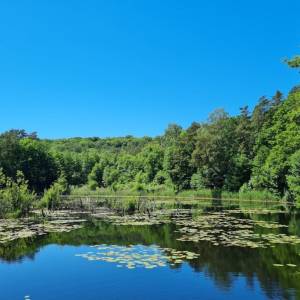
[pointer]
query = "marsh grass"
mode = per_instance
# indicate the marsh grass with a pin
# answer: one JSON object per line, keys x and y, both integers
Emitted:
{"x": 130, "y": 201}
{"x": 168, "y": 192}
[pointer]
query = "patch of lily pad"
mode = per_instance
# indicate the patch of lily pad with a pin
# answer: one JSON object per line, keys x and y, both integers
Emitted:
{"x": 134, "y": 220}
{"x": 157, "y": 217}
{"x": 13, "y": 229}
{"x": 260, "y": 211}
{"x": 288, "y": 265}
{"x": 138, "y": 256}
{"x": 221, "y": 228}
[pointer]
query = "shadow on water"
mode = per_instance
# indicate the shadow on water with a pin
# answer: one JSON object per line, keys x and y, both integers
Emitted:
{"x": 220, "y": 264}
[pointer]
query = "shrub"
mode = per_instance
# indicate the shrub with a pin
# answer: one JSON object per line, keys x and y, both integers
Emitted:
{"x": 197, "y": 181}
{"x": 15, "y": 196}
{"x": 52, "y": 196}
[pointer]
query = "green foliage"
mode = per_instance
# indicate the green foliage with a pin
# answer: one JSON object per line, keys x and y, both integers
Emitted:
{"x": 171, "y": 135}
{"x": 278, "y": 139}
{"x": 197, "y": 181}
{"x": 110, "y": 176}
{"x": 10, "y": 150}
{"x": 249, "y": 155}
{"x": 37, "y": 164}
{"x": 215, "y": 150}
{"x": 294, "y": 176}
{"x": 95, "y": 178}
{"x": 115, "y": 145}
{"x": 294, "y": 62}
{"x": 22, "y": 151}
{"x": 177, "y": 165}
{"x": 52, "y": 196}
{"x": 151, "y": 160}
{"x": 15, "y": 196}
{"x": 161, "y": 178}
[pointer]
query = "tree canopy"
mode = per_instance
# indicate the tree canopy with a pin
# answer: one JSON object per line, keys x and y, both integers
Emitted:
{"x": 256, "y": 150}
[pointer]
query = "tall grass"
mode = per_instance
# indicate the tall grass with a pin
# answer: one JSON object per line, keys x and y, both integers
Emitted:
{"x": 162, "y": 191}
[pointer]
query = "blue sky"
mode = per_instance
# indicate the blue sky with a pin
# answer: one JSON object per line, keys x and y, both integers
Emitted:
{"x": 112, "y": 68}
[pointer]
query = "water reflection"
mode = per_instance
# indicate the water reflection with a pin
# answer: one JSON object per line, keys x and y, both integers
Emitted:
{"x": 220, "y": 264}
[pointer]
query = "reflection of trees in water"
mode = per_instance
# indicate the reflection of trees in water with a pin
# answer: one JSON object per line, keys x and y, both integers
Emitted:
{"x": 20, "y": 249}
{"x": 221, "y": 264}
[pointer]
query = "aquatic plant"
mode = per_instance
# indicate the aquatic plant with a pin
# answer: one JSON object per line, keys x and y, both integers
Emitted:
{"x": 138, "y": 256}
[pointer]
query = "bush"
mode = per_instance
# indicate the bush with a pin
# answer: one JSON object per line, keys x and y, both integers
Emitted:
{"x": 5, "y": 206}
{"x": 52, "y": 196}
{"x": 197, "y": 181}
{"x": 15, "y": 196}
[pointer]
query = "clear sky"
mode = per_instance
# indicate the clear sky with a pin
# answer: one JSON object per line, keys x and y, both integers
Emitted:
{"x": 112, "y": 68}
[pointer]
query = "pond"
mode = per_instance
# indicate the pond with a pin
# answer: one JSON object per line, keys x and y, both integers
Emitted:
{"x": 103, "y": 260}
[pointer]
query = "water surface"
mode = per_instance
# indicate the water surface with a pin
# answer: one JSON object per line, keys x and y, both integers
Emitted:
{"x": 50, "y": 267}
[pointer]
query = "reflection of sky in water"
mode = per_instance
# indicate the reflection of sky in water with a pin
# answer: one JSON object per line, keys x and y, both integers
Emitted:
{"x": 48, "y": 271}
{"x": 57, "y": 274}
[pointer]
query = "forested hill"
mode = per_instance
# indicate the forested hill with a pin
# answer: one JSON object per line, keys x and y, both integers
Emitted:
{"x": 127, "y": 144}
{"x": 253, "y": 151}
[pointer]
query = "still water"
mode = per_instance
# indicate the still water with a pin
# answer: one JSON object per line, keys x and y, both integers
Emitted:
{"x": 106, "y": 261}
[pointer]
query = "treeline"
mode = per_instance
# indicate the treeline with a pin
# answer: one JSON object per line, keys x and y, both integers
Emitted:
{"x": 253, "y": 151}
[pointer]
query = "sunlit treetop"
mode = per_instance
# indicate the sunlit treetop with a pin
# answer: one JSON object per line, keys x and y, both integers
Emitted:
{"x": 294, "y": 62}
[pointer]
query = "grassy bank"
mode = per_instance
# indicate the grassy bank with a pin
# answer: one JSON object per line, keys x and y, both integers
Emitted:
{"x": 127, "y": 200}
{"x": 168, "y": 192}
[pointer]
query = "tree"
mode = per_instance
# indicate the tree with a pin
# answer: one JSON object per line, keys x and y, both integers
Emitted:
{"x": 277, "y": 141}
{"x": 172, "y": 134}
{"x": 293, "y": 177}
{"x": 15, "y": 196}
{"x": 178, "y": 167}
{"x": 293, "y": 62}
{"x": 37, "y": 164}
{"x": 197, "y": 181}
{"x": 110, "y": 176}
{"x": 52, "y": 196}
{"x": 151, "y": 159}
{"x": 217, "y": 116}
{"x": 216, "y": 146}
{"x": 88, "y": 160}
{"x": 161, "y": 178}
{"x": 95, "y": 178}
{"x": 277, "y": 98}
{"x": 128, "y": 166}
{"x": 10, "y": 152}
{"x": 239, "y": 170}
{"x": 70, "y": 164}
{"x": 259, "y": 115}
{"x": 24, "y": 152}
{"x": 244, "y": 134}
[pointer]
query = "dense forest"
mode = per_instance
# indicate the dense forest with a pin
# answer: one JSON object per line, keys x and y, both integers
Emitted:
{"x": 255, "y": 151}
